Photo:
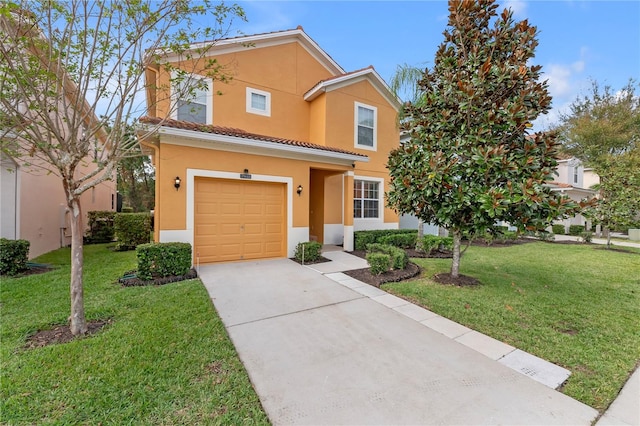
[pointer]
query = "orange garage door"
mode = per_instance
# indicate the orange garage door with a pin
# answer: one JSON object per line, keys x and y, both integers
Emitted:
{"x": 236, "y": 219}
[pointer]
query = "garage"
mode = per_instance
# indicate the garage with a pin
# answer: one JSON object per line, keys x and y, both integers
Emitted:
{"x": 239, "y": 220}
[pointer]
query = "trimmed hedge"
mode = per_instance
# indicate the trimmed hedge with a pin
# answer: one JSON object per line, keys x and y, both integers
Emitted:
{"x": 399, "y": 258}
{"x": 309, "y": 251}
{"x": 576, "y": 230}
{"x": 101, "y": 228}
{"x": 163, "y": 259}
{"x": 13, "y": 256}
{"x": 558, "y": 229}
{"x": 132, "y": 229}
{"x": 431, "y": 243}
{"x": 379, "y": 263}
{"x": 404, "y": 240}
{"x": 362, "y": 238}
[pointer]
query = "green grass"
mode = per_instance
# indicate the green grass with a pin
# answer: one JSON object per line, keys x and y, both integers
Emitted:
{"x": 577, "y": 306}
{"x": 164, "y": 359}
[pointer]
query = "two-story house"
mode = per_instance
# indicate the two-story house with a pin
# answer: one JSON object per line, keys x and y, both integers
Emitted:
{"x": 574, "y": 181}
{"x": 293, "y": 149}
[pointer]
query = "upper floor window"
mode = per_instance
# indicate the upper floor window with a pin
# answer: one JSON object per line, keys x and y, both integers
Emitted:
{"x": 575, "y": 174}
{"x": 366, "y": 118}
{"x": 194, "y": 100}
{"x": 258, "y": 102}
{"x": 366, "y": 199}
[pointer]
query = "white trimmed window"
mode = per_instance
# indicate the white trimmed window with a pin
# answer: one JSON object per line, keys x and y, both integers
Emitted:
{"x": 366, "y": 118}
{"x": 258, "y": 102}
{"x": 366, "y": 199}
{"x": 195, "y": 104}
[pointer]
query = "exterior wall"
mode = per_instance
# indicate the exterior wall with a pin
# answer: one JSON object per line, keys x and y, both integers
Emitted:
{"x": 172, "y": 215}
{"x": 40, "y": 207}
{"x": 285, "y": 71}
{"x": 340, "y": 133}
{"x": 590, "y": 178}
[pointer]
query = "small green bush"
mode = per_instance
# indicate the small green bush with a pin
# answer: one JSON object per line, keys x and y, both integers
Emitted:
{"x": 132, "y": 229}
{"x": 126, "y": 209}
{"x": 404, "y": 240}
{"x": 379, "y": 263}
{"x": 576, "y": 229}
{"x": 433, "y": 243}
{"x": 13, "y": 256}
{"x": 101, "y": 229}
{"x": 309, "y": 251}
{"x": 163, "y": 259}
{"x": 399, "y": 258}
{"x": 362, "y": 238}
{"x": 586, "y": 236}
{"x": 558, "y": 229}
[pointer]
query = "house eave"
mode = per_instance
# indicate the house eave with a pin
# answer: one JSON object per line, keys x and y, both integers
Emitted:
{"x": 227, "y": 143}
{"x": 367, "y": 74}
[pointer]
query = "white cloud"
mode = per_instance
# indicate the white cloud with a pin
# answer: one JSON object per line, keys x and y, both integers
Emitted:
{"x": 518, "y": 7}
{"x": 566, "y": 81}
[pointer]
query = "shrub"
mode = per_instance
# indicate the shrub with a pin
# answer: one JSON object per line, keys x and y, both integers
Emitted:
{"x": 126, "y": 209}
{"x": 132, "y": 229}
{"x": 558, "y": 229}
{"x": 101, "y": 229}
{"x": 399, "y": 258}
{"x": 13, "y": 256}
{"x": 403, "y": 240}
{"x": 378, "y": 263}
{"x": 586, "y": 236}
{"x": 163, "y": 259}
{"x": 362, "y": 238}
{"x": 433, "y": 243}
{"x": 308, "y": 252}
{"x": 576, "y": 229}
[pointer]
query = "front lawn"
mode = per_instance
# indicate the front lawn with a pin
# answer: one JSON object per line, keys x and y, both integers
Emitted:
{"x": 577, "y": 306}
{"x": 165, "y": 358}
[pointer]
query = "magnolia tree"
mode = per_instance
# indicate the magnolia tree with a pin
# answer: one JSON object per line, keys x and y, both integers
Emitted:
{"x": 470, "y": 162}
{"x": 71, "y": 79}
{"x": 603, "y": 130}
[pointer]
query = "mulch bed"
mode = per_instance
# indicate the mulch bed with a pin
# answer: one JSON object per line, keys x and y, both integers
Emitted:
{"x": 134, "y": 281}
{"x": 320, "y": 260}
{"x": 460, "y": 281}
{"x": 412, "y": 270}
{"x": 33, "y": 270}
{"x": 61, "y": 334}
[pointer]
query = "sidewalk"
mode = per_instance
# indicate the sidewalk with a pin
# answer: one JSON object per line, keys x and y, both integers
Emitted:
{"x": 598, "y": 241}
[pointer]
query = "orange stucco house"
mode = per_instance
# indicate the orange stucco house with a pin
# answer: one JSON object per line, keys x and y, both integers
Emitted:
{"x": 294, "y": 149}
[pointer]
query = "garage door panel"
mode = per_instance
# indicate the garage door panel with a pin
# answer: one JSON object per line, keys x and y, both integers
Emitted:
{"x": 237, "y": 220}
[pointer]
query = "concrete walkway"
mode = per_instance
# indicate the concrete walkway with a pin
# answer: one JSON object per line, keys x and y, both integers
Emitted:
{"x": 323, "y": 349}
{"x": 598, "y": 241}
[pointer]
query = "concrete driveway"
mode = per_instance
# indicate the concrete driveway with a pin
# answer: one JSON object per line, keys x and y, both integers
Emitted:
{"x": 319, "y": 352}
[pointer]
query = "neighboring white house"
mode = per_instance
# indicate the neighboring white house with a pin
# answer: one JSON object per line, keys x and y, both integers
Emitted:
{"x": 574, "y": 181}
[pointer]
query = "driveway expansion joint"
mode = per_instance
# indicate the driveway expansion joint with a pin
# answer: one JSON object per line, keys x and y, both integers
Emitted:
{"x": 294, "y": 312}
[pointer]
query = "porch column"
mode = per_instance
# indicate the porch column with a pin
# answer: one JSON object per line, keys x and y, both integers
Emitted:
{"x": 347, "y": 215}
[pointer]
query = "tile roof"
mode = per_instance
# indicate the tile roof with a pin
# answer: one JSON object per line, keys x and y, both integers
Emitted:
{"x": 239, "y": 133}
{"x": 561, "y": 184}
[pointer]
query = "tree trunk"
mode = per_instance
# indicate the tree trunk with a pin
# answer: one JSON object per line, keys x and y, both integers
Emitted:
{"x": 420, "y": 239}
{"x": 455, "y": 263}
{"x": 78, "y": 322}
{"x": 608, "y": 232}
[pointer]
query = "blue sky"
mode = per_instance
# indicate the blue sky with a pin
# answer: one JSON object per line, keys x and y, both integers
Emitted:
{"x": 579, "y": 40}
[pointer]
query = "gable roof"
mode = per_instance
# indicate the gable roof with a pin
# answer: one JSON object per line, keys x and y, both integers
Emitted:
{"x": 368, "y": 73}
{"x": 274, "y": 38}
{"x": 241, "y": 138}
